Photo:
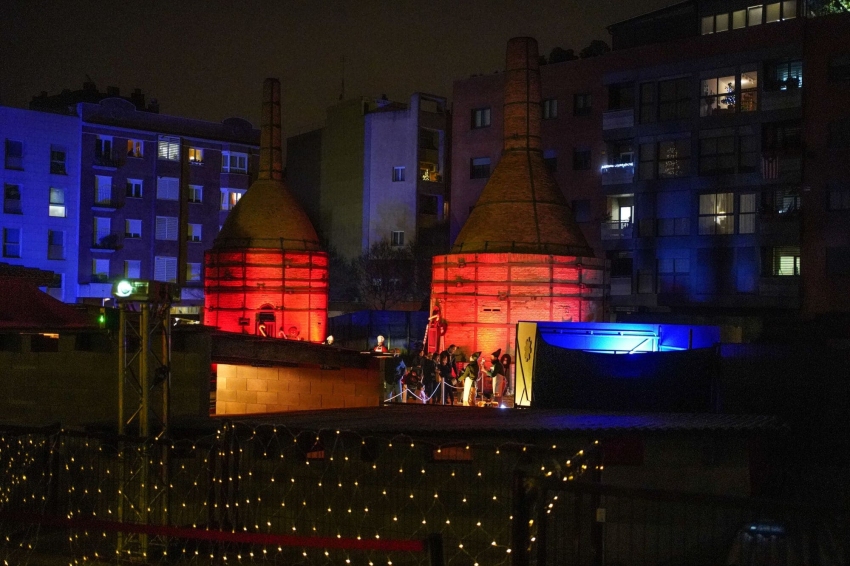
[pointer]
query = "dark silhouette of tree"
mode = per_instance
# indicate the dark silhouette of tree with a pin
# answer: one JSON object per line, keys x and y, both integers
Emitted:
{"x": 559, "y": 55}
{"x": 596, "y": 47}
{"x": 385, "y": 275}
{"x": 342, "y": 278}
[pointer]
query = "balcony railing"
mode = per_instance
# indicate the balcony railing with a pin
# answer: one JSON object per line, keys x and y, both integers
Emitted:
{"x": 617, "y": 230}
{"x": 618, "y": 174}
{"x": 107, "y": 242}
{"x": 106, "y": 160}
{"x": 614, "y": 119}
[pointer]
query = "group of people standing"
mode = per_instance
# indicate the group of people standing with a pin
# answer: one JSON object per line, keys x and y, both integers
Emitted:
{"x": 422, "y": 375}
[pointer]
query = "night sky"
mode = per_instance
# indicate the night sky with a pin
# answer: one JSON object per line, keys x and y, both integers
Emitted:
{"x": 207, "y": 59}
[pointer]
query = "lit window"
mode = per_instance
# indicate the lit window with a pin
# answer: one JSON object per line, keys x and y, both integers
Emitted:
{"x": 11, "y": 242}
{"x": 398, "y": 174}
{"x": 233, "y": 162}
{"x": 14, "y": 155}
{"x": 229, "y": 198}
{"x": 100, "y": 270}
{"x": 169, "y": 148}
{"x": 12, "y": 199}
{"x": 165, "y": 269}
{"x": 55, "y": 244}
{"x": 196, "y": 155}
{"x": 167, "y": 188}
{"x": 102, "y": 190}
{"x": 196, "y": 193}
{"x": 754, "y": 15}
{"x": 166, "y": 228}
{"x": 194, "y": 233}
{"x": 134, "y": 188}
{"x": 480, "y": 118}
{"x": 722, "y": 95}
{"x": 786, "y": 261}
{"x": 397, "y": 238}
{"x": 132, "y": 228}
{"x": 739, "y": 19}
{"x": 717, "y": 214}
{"x": 135, "y": 148}
{"x": 193, "y": 272}
{"x": 479, "y": 168}
{"x": 550, "y": 108}
{"x": 57, "y": 160}
{"x": 57, "y": 203}
{"x": 132, "y": 268}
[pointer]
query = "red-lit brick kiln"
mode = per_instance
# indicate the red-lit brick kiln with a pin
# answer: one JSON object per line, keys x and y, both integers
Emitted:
{"x": 520, "y": 255}
{"x": 266, "y": 273}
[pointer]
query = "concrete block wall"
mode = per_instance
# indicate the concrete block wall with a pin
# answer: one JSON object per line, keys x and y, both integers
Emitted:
{"x": 244, "y": 389}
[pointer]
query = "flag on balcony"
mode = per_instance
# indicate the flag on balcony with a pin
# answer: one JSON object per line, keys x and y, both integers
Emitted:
{"x": 769, "y": 167}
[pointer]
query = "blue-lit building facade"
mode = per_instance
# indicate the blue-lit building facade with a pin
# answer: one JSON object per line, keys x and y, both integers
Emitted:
{"x": 705, "y": 157}
{"x": 40, "y": 218}
{"x": 91, "y": 191}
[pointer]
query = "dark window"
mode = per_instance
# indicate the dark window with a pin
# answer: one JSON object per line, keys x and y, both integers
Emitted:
{"x": 674, "y": 158}
{"x": 673, "y": 275}
{"x": 11, "y": 242}
{"x": 55, "y": 244}
{"x": 550, "y": 158}
{"x": 14, "y": 155}
{"x": 782, "y": 136}
{"x": 785, "y": 201}
{"x": 480, "y": 117}
{"x": 621, "y": 96}
{"x": 582, "y": 211}
{"x": 674, "y": 99}
{"x": 648, "y": 112}
{"x": 12, "y": 199}
{"x": 748, "y": 153}
{"x": 57, "y": 160}
{"x": 429, "y": 204}
{"x": 44, "y": 343}
{"x": 717, "y": 155}
{"x": 838, "y": 261}
{"x": 839, "y": 197}
{"x": 398, "y": 174}
{"x": 839, "y": 134}
{"x": 398, "y": 238}
{"x": 582, "y": 104}
{"x": 621, "y": 267}
{"x": 479, "y": 168}
{"x": 674, "y": 226}
{"x": 784, "y": 75}
{"x": 550, "y": 109}
{"x": 839, "y": 68}
{"x": 581, "y": 159}
{"x": 646, "y": 167}
{"x": 10, "y": 342}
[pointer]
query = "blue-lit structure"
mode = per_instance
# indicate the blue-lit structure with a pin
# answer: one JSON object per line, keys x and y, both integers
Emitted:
{"x": 617, "y": 366}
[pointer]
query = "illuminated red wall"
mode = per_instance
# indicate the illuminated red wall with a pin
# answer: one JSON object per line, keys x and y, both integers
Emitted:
{"x": 482, "y": 296}
{"x": 240, "y": 284}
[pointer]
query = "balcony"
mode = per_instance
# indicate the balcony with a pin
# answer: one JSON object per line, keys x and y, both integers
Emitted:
{"x": 621, "y": 173}
{"x": 106, "y": 160}
{"x": 615, "y": 119}
{"x": 621, "y": 286}
{"x": 617, "y": 230}
{"x": 106, "y": 243}
{"x": 782, "y": 99}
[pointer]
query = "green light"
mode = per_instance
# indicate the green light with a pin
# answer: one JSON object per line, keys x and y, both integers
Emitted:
{"x": 101, "y": 319}
{"x": 123, "y": 289}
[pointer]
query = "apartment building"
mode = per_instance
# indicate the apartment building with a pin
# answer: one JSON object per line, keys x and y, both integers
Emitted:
{"x": 39, "y": 221}
{"x": 92, "y": 191}
{"x": 709, "y": 165}
{"x": 377, "y": 170}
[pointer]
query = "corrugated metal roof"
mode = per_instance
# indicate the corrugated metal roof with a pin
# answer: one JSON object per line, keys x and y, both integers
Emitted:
{"x": 427, "y": 419}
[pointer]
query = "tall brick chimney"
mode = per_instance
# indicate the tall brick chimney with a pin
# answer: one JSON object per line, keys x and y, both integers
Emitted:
{"x": 522, "y": 95}
{"x": 271, "y": 155}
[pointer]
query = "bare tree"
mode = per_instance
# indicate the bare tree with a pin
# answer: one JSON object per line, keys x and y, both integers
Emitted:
{"x": 386, "y": 275}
